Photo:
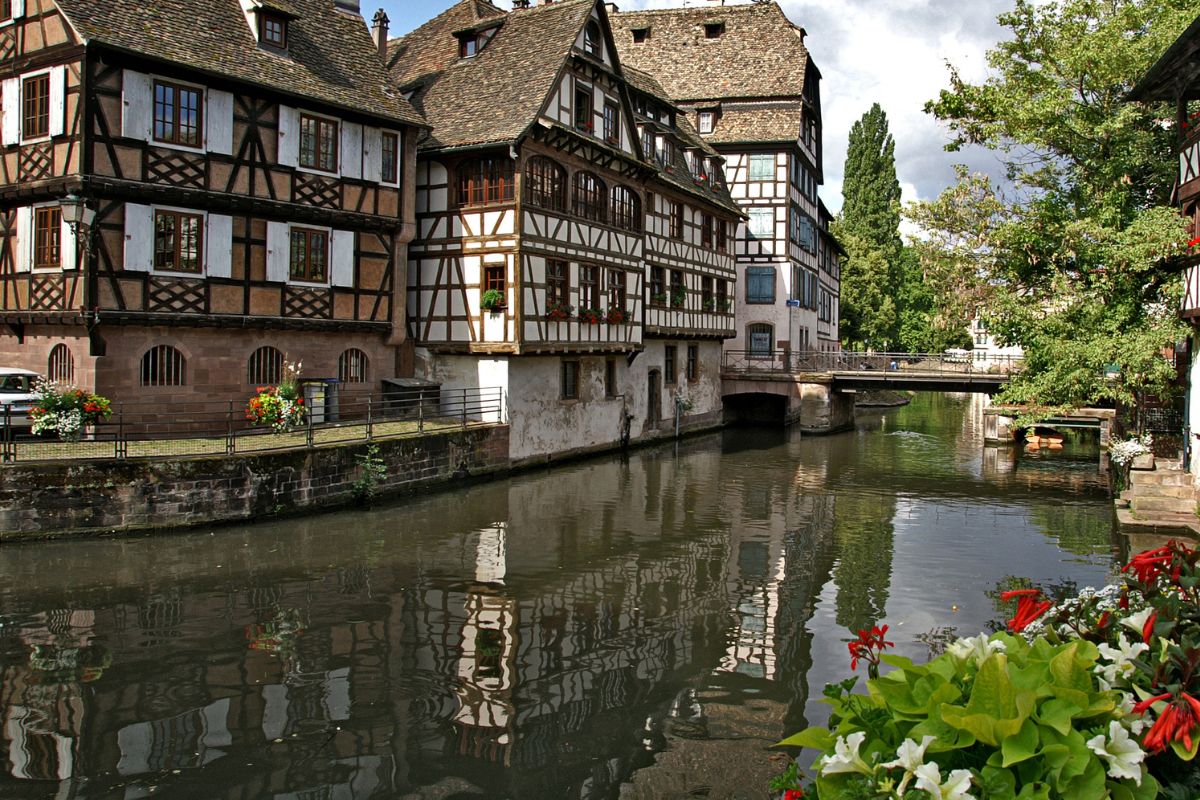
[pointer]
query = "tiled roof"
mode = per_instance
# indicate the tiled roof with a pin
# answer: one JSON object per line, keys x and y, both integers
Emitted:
{"x": 680, "y": 178}
{"x": 757, "y": 122}
{"x": 759, "y": 54}
{"x": 495, "y": 95}
{"x": 331, "y": 57}
{"x": 1169, "y": 78}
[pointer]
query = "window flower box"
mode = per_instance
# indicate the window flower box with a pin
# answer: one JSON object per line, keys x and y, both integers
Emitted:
{"x": 591, "y": 316}
{"x": 557, "y": 312}
{"x": 677, "y": 298}
{"x": 492, "y": 301}
{"x": 616, "y": 316}
{"x": 659, "y": 298}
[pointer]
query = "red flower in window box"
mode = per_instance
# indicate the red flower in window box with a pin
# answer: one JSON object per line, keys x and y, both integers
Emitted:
{"x": 591, "y": 316}
{"x": 557, "y": 312}
{"x": 616, "y": 316}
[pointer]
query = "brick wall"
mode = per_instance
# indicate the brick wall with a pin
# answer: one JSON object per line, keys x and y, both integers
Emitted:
{"x": 105, "y": 496}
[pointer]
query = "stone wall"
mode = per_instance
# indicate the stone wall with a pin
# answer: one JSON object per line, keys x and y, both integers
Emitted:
{"x": 52, "y": 499}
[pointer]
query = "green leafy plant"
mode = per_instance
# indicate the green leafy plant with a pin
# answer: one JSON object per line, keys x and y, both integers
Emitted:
{"x": 556, "y": 311}
{"x": 678, "y": 296}
{"x": 492, "y": 300}
{"x": 66, "y": 410}
{"x": 372, "y": 471}
{"x": 279, "y": 407}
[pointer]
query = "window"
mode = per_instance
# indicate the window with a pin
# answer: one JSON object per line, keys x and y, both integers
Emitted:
{"x": 177, "y": 114}
{"x": 545, "y": 184}
{"x": 264, "y": 367}
{"x": 640, "y": 35}
{"x": 706, "y": 293}
{"x": 570, "y": 380}
{"x": 713, "y": 30}
{"x": 610, "y": 378}
{"x": 722, "y": 236}
{"x": 47, "y": 237}
{"x": 760, "y": 284}
{"x": 6, "y": 13}
{"x": 807, "y": 234}
{"x": 310, "y": 255}
{"x": 390, "y": 148}
{"x": 318, "y": 143}
{"x": 762, "y": 222}
{"x": 707, "y": 121}
{"x": 612, "y": 118}
{"x": 678, "y": 289}
{"x": 658, "y": 286}
{"x": 760, "y": 336}
{"x": 590, "y": 197}
{"x": 485, "y": 180}
{"x": 706, "y": 230}
{"x": 583, "y": 109}
{"x": 36, "y": 92}
{"x": 676, "y": 220}
{"x": 272, "y": 29}
{"x": 669, "y": 372}
{"x": 163, "y": 365}
{"x": 591, "y": 38}
{"x": 493, "y": 278}
{"x": 352, "y": 366}
{"x": 177, "y": 241}
{"x": 692, "y": 367}
{"x": 558, "y": 283}
{"x": 762, "y": 167}
{"x": 666, "y": 151}
{"x": 626, "y": 209}
{"x": 722, "y": 295}
{"x": 60, "y": 367}
{"x": 589, "y": 287}
{"x": 616, "y": 290}
{"x": 647, "y": 141}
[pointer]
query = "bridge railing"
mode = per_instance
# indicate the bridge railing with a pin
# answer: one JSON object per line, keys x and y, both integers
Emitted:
{"x": 792, "y": 362}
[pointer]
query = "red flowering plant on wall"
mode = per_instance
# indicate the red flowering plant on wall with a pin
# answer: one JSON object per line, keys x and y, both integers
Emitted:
{"x": 557, "y": 312}
{"x": 616, "y": 316}
{"x": 279, "y": 407}
{"x": 66, "y": 410}
{"x": 591, "y": 316}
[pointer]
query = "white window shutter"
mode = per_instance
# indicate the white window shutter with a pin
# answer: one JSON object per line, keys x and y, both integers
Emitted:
{"x": 219, "y": 122}
{"x": 139, "y": 238}
{"x": 289, "y": 136}
{"x": 352, "y": 150}
{"x": 18, "y": 8}
{"x": 136, "y": 102}
{"x": 278, "y": 250}
{"x": 23, "y": 240}
{"x": 58, "y": 100}
{"x": 342, "y": 256}
{"x": 372, "y": 155}
{"x": 69, "y": 249}
{"x": 218, "y": 246}
{"x": 12, "y": 110}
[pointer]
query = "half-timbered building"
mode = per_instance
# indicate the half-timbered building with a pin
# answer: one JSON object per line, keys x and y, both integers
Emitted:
{"x": 745, "y": 79}
{"x": 573, "y": 236}
{"x": 192, "y": 191}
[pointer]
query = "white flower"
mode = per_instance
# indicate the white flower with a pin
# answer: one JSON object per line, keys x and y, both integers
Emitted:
{"x": 845, "y": 756}
{"x": 977, "y": 646}
{"x": 929, "y": 779}
{"x": 910, "y": 756}
{"x": 1138, "y": 621}
{"x": 1133, "y": 722}
{"x": 1122, "y": 753}
{"x": 1120, "y": 658}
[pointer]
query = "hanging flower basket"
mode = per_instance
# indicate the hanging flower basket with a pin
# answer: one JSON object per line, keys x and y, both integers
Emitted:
{"x": 66, "y": 410}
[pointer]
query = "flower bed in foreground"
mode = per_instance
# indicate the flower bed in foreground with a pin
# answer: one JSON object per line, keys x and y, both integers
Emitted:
{"x": 1093, "y": 697}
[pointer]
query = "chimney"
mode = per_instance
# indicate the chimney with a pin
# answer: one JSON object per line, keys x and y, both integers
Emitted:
{"x": 519, "y": 4}
{"x": 379, "y": 32}
{"x": 347, "y": 6}
{"x": 611, "y": 8}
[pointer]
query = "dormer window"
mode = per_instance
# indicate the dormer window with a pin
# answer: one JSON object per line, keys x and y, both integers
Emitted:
{"x": 471, "y": 42}
{"x": 591, "y": 38}
{"x": 707, "y": 122}
{"x": 713, "y": 30}
{"x": 272, "y": 30}
{"x": 640, "y": 35}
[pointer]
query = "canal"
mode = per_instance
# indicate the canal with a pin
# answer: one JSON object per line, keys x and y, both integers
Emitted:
{"x": 640, "y": 627}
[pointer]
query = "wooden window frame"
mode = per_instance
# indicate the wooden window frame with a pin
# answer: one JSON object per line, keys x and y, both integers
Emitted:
{"x": 648, "y": 142}
{"x": 391, "y": 175}
{"x": 309, "y": 235}
{"x": 760, "y": 158}
{"x": 760, "y": 272}
{"x": 172, "y": 115}
{"x": 584, "y": 122}
{"x": 658, "y": 286}
{"x": 692, "y": 365}
{"x": 545, "y": 184}
{"x": 706, "y": 122}
{"x": 722, "y": 236}
{"x": 723, "y": 296}
{"x": 558, "y": 282}
{"x": 265, "y": 19}
{"x": 707, "y": 301}
{"x": 589, "y": 286}
{"x": 589, "y": 197}
{"x": 484, "y": 181}
{"x": 678, "y": 285}
{"x": 47, "y": 238}
{"x": 35, "y": 107}
{"x": 676, "y": 218}
{"x": 321, "y": 136}
{"x": 569, "y": 379}
{"x": 706, "y": 230}
{"x": 612, "y": 122}
{"x": 626, "y": 208}
{"x": 592, "y": 39}
{"x": 670, "y": 365}
{"x": 177, "y": 241}
{"x": 616, "y": 290}
{"x": 495, "y": 276}
{"x": 6, "y": 11}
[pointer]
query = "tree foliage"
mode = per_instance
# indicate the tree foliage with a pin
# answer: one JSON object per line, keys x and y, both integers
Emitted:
{"x": 1080, "y": 264}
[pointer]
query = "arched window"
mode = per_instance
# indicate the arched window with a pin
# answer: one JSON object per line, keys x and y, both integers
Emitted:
{"x": 265, "y": 367}
{"x": 590, "y": 197}
{"x": 485, "y": 180}
{"x": 60, "y": 368}
{"x": 545, "y": 184}
{"x": 591, "y": 38}
{"x": 163, "y": 365}
{"x": 626, "y": 209}
{"x": 759, "y": 336}
{"x": 352, "y": 366}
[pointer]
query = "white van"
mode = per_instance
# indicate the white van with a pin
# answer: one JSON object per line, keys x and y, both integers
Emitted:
{"x": 17, "y": 396}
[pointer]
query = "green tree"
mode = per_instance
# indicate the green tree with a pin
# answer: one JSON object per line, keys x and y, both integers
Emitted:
{"x": 1080, "y": 265}
{"x": 869, "y": 228}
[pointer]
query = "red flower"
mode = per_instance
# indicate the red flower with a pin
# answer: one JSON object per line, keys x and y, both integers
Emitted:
{"x": 1148, "y": 628}
{"x": 1103, "y": 621}
{"x": 1194, "y": 242}
{"x": 793, "y": 794}
{"x": 1150, "y": 564}
{"x": 1029, "y": 607}
{"x": 1176, "y": 723}
{"x": 868, "y": 646}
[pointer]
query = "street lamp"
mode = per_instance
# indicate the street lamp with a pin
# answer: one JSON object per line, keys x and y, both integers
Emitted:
{"x": 75, "y": 212}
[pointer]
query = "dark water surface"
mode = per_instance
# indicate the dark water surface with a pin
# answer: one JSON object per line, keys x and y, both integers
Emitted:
{"x": 549, "y": 636}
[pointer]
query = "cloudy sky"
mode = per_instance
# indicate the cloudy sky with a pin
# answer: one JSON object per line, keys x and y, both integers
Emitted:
{"x": 893, "y": 52}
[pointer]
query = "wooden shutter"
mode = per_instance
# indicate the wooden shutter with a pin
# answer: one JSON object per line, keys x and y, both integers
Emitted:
{"x": 218, "y": 246}
{"x": 137, "y": 103}
{"x": 12, "y": 110}
{"x": 352, "y": 150}
{"x": 69, "y": 249}
{"x": 58, "y": 100}
{"x": 139, "y": 238}
{"x": 23, "y": 242}
{"x": 278, "y": 249}
{"x": 341, "y": 269}
{"x": 372, "y": 155}
{"x": 218, "y": 123}
{"x": 289, "y": 136}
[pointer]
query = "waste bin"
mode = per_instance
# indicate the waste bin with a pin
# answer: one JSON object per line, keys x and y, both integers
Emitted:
{"x": 321, "y": 397}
